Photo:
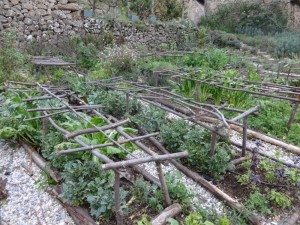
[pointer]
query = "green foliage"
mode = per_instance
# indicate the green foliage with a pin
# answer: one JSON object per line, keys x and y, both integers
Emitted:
{"x": 119, "y": 60}
{"x": 293, "y": 176}
{"x": 244, "y": 179}
{"x": 172, "y": 134}
{"x": 248, "y": 17}
{"x": 280, "y": 199}
{"x": 84, "y": 182}
{"x": 145, "y": 193}
{"x": 164, "y": 10}
{"x": 200, "y": 160}
{"x": 214, "y": 58}
{"x": 223, "y": 39}
{"x": 287, "y": 44}
{"x": 141, "y": 8}
{"x": 258, "y": 202}
{"x": 151, "y": 119}
{"x": 12, "y": 113}
{"x": 143, "y": 220}
{"x": 272, "y": 120}
{"x": 153, "y": 196}
{"x": 114, "y": 103}
{"x": 11, "y": 57}
{"x": 178, "y": 191}
{"x": 180, "y": 136}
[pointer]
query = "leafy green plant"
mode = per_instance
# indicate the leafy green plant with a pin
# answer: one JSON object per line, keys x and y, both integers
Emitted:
{"x": 214, "y": 58}
{"x": 12, "y": 58}
{"x": 180, "y": 136}
{"x": 258, "y": 202}
{"x": 244, "y": 179}
{"x": 82, "y": 183}
{"x": 280, "y": 199}
{"x": 114, "y": 103}
{"x": 151, "y": 119}
{"x": 172, "y": 134}
{"x": 178, "y": 190}
{"x": 143, "y": 220}
{"x": 145, "y": 193}
{"x": 293, "y": 176}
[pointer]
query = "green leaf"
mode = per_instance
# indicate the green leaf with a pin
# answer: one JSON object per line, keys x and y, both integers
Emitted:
{"x": 172, "y": 221}
{"x": 112, "y": 150}
{"x": 8, "y": 132}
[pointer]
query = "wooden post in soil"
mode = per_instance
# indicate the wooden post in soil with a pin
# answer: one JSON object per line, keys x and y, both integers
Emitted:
{"x": 289, "y": 124}
{"x": 197, "y": 91}
{"x": 163, "y": 183}
{"x": 156, "y": 78}
{"x": 278, "y": 70}
{"x": 245, "y": 124}
{"x": 119, "y": 214}
{"x": 127, "y": 102}
{"x": 213, "y": 142}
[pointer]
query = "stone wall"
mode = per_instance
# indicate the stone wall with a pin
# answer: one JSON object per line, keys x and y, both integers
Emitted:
{"x": 54, "y": 19}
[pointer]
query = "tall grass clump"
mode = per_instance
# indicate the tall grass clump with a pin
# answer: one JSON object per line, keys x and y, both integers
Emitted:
{"x": 11, "y": 57}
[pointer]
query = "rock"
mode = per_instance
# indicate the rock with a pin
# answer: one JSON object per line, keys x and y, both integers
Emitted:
{"x": 41, "y": 12}
{"x": 70, "y": 7}
{"x": 27, "y": 5}
{"x": 63, "y": 2}
{"x": 28, "y": 21}
{"x": 14, "y": 2}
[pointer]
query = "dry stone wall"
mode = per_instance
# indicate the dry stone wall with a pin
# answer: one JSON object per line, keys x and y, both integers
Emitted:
{"x": 54, "y": 19}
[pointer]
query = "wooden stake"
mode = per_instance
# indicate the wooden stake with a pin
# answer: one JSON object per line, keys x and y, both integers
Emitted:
{"x": 127, "y": 102}
{"x": 289, "y": 124}
{"x": 119, "y": 216}
{"x": 163, "y": 183}
{"x": 245, "y": 124}
{"x": 213, "y": 142}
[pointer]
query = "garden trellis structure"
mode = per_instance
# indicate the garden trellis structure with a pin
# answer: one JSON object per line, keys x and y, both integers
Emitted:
{"x": 117, "y": 167}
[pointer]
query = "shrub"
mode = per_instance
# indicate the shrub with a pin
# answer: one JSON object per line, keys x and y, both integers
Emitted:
{"x": 151, "y": 119}
{"x": 164, "y": 10}
{"x": 199, "y": 158}
{"x": 248, "y": 17}
{"x": 119, "y": 61}
{"x": 180, "y": 136}
{"x": 223, "y": 39}
{"x": 287, "y": 44}
{"x": 11, "y": 58}
{"x": 172, "y": 134}
{"x": 114, "y": 103}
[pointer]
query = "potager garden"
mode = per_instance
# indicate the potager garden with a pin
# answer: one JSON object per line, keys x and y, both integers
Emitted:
{"x": 201, "y": 130}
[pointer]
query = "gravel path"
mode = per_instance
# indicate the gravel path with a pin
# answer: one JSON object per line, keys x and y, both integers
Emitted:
{"x": 25, "y": 203}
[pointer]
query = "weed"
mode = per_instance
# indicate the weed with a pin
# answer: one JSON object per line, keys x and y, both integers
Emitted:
{"x": 258, "y": 202}
{"x": 11, "y": 58}
{"x": 280, "y": 199}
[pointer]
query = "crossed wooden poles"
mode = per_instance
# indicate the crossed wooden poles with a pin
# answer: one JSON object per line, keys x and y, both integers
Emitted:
{"x": 184, "y": 107}
{"x": 266, "y": 89}
{"x": 117, "y": 167}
